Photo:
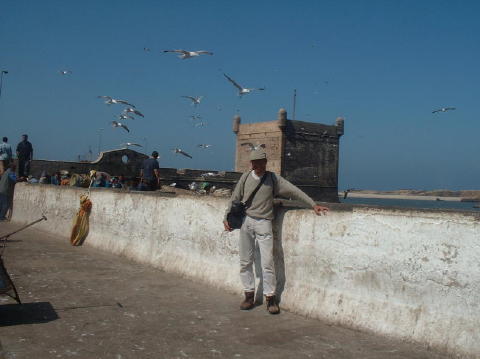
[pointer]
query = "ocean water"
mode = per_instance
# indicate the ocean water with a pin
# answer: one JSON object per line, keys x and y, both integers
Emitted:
{"x": 411, "y": 203}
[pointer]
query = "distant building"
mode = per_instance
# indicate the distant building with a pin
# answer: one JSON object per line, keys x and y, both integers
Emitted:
{"x": 116, "y": 162}
{"x": 305, "y": 153}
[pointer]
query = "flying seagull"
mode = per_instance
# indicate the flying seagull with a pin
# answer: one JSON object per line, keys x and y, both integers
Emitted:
{"x": 179, "y": 150}
{"x": 128, "y": 144}
{"x": 204, "y": 146}
{"x": 119, "y": 124}
{"x": 110, "y": 100}
{"x": 195, "y": 99}
{"x": 195, "y": 117}
{"x": 65, "y": 72}
{"x": 242, "y": 90}
{"x": 132, "y": 110}
{"x": 189, "y": 54}
{"x": 252, "y": 147}
{"x": 200, "y": 124}
{"x": 444, "y": 109}
{"x": 124, "y": 116}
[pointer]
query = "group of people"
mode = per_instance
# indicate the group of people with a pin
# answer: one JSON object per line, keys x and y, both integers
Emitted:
{"x": 256, "y": 187}
{"x": 8, "y": 175}
{"x": 24, "y": 153}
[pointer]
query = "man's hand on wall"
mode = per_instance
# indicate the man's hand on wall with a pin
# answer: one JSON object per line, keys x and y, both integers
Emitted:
{"x": 319, "y": 210}
{"x": 227, "y": 226}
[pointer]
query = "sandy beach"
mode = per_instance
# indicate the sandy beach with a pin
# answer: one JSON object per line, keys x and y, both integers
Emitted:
{"x": 400, "y": 196}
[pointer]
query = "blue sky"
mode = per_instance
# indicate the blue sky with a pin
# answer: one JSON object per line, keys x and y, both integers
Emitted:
{"x": 388, "y": 64}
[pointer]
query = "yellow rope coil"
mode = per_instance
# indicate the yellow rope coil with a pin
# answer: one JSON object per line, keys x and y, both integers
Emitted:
{"x": 81, "y": 222}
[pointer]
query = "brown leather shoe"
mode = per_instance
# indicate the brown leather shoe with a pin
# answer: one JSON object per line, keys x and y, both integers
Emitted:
{"x": 272, "y": 305}
{"x": 249, "y": 301}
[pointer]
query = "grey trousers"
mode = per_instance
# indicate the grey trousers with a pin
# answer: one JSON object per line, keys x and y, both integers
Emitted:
{"x": 260, "y": 231}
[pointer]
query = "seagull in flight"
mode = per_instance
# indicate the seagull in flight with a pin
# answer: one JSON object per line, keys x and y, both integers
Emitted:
{"x": 251, "y": 147}
{"x": 195, "y": 117}
{"x": 119, "y": 124}
{"x": 110, "y": 100}
{"x": 200, "y": 124}
{"x": 204, "y": 146}
{"x": 132, "y": 110}
{"x": 65, "y": 72}
{"x": 124, "y": 116}
{"x": 444, "y": 109}
{"x": 242, "y": 90}
{"x": 128, "y": 144}
{"x": 195, "y": 99}
{"x": 189, "y": 54}
{"x": 182, "y": 152}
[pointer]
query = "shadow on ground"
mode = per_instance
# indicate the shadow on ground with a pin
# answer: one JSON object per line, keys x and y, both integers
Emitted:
{"x": 27, "y": 313}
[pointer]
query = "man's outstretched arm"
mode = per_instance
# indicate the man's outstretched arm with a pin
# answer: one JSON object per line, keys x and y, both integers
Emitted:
{"x": 288, "y": 190}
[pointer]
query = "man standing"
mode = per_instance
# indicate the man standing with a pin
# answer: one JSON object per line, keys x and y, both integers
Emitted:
{"x": 5, "y": 155}
{"x": 7, "y": 183}
{"x": 257, "y": 225}
{"x": 24, "y": 155}
{"x": 149, "y": 173}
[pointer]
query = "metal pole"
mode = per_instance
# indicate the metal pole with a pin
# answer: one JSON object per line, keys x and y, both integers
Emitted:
{"x": 100, "y": 140}
{"x": 3, "y": 72}
{"x": 5, "y": 237}
{"x": 294, "y": 103}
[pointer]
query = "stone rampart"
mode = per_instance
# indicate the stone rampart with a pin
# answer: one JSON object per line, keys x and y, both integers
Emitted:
{"x": 404, "y": 273}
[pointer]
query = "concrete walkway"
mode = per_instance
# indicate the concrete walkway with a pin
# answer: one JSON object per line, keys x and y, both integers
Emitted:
{"x": 81, "y": 303}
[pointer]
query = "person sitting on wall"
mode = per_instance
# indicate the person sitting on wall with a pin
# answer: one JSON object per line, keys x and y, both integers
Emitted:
{"x": 149, "y": 174}
{"x": 56, "y": 179}
{"x": 64, "y": 178}
{"x": 108, "y": 183}
{"x": 44, "y": 178}
{"x": 257, "y": 225}
{"x": 100, "y": 180}
{"x": 7, "y": 184}
{"x": 32, "y": 180}
{"x": 115, "y": 183}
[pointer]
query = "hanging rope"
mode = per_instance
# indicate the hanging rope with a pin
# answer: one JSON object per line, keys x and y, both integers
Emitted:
{"x": 81, "y": 221}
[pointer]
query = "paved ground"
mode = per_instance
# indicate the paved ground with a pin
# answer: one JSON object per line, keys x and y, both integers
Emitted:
{"x": 81, "y": 303}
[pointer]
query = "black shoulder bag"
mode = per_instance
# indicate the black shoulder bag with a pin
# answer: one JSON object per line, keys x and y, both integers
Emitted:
{"x": 238, "y": 210}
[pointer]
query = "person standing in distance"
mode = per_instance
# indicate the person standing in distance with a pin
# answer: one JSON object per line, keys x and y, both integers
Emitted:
{"x": 25, "y": 156}
{"x": 7, "y": 184}
{"x": 149, "y": 173}
{"x": 257, "y": 226}
{"x": 5, "y": 155}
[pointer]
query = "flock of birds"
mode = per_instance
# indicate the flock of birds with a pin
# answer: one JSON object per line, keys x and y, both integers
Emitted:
{"x": 130, "y": 112}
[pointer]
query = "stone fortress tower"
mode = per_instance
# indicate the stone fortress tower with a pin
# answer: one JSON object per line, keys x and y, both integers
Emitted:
{"x": 305, "y": 153}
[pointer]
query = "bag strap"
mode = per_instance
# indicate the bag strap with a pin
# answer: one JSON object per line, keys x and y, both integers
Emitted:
{"x": 248, "y": 202}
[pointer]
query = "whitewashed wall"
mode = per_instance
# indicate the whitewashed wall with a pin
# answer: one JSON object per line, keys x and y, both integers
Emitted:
{"x": 408, "y": 274}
